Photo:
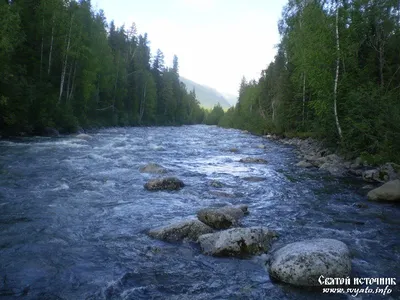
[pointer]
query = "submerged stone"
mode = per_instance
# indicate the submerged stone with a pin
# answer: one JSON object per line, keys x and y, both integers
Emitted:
{"x": 167, "y": 183}
{"x": 253, "y": 160}
{"x": 304, "y": 164}
{"x": 84, "y": 136}
{"x": 222, "y": 217}
{"x": 153, "y": 169}
{"x": 216, "y": 184}
{"x": 186, "y": 229}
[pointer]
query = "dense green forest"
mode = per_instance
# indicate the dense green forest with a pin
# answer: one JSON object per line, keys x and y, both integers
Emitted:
{"x": 63, "y": 66}
{"x": 336, "y": 76}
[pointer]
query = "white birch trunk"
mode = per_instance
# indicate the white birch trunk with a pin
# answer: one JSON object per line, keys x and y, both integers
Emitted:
{"x": 115, "y": 86}
{"x": 142, "y": 104}
{"x": 65, "y": 63}
{"x": 51, "y": 47}
{"x": 273, "y": 110}
{"x": 339, "y": 129}
{"x": 73, "y": 83}
{"x": 68, "y": 83}
{"x": 381, "y": 61}
{"x": 304, "y": 97}
{"x": 41, "y": 51}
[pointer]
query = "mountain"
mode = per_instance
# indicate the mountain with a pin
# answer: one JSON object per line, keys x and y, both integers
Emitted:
{"x": 232, "y": 99}
{"x": 208, "y": 97}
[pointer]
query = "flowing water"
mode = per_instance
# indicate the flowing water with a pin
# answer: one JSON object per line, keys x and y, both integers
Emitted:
{"x": 74, "y": 216}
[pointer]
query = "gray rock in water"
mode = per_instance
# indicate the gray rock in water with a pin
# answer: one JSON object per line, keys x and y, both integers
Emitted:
{"x": 253, "y": 160}
{"x": 355, "y": 172}
{"x": 336, "y": 169}
{"x": 360, "y": 205}
{"x": 84, "y": 136}
{"x": 253, "y": 179}
{"x": 233, "y": 150}
{"x": 373, "y": 176}
{"x": 153, "y": 169}
{"x": 304, "y": 164}
{"x": 216, "y": 184}
{"x": 187, "y": 229}
{"x": 302, "y": 263}
{"x": 329, "y": 159}
{"x": 390, "y": 191}
{"x": 225, "y": 194}
{"x": 167, "y": 183}
{"x": 222, "y": 217}
{"x": 238, "y": 242}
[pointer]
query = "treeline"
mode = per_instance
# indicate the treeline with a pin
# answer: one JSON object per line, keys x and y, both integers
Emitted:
{"x": 336, "y": 76}
{"x": 63, "y": 66}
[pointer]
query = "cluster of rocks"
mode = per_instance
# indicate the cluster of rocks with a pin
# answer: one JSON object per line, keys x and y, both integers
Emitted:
{"x": 216, "y": 232}
{"x": 300, "y": 263}
{"x": 314, "y": 155}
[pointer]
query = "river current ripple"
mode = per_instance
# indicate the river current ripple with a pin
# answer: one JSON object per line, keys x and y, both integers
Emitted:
{"x": 74, "y": 215}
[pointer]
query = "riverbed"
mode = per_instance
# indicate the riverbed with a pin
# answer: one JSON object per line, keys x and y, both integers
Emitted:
{"x": 74, "y": 215}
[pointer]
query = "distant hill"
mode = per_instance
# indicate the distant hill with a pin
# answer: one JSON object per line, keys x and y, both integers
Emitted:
{"x": 208, "y": 97}
{"x": 232, "y": 99}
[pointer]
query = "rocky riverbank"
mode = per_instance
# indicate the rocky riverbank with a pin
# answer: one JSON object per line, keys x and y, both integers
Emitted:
{"x": 314, "y": 154}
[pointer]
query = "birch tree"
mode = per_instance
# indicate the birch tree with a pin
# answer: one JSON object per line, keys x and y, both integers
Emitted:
{"x": 337, "y": 71}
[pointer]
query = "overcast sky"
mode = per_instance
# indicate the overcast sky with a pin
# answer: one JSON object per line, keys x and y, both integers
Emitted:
{"x": 217, "y": 41}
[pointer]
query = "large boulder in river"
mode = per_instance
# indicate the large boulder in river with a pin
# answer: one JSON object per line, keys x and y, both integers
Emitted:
{"x": 390, "y": 191}
{"x": 222, "y": 217}
{"x": 153, "y": 168}
{"x": 238, "y": 242}
{"x": 302, "y": 263}
{"x": 187, "y": 229}
{"x": 253, "y": 160}
{"x": 167, "y": 183}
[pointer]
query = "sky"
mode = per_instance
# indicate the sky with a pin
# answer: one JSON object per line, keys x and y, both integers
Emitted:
{"x": 217, "y": 41}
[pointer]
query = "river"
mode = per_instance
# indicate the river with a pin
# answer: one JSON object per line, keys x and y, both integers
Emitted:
{"x": 74, "y": 215}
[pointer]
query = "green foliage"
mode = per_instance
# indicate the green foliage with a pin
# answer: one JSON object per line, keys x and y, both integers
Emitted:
{"x": 215, "y": 115}
{"x": 294, "y": 95}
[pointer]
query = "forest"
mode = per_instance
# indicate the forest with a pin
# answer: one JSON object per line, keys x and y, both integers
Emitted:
{"x": 62, "y": 65}
{"x": 335, "y": 77}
